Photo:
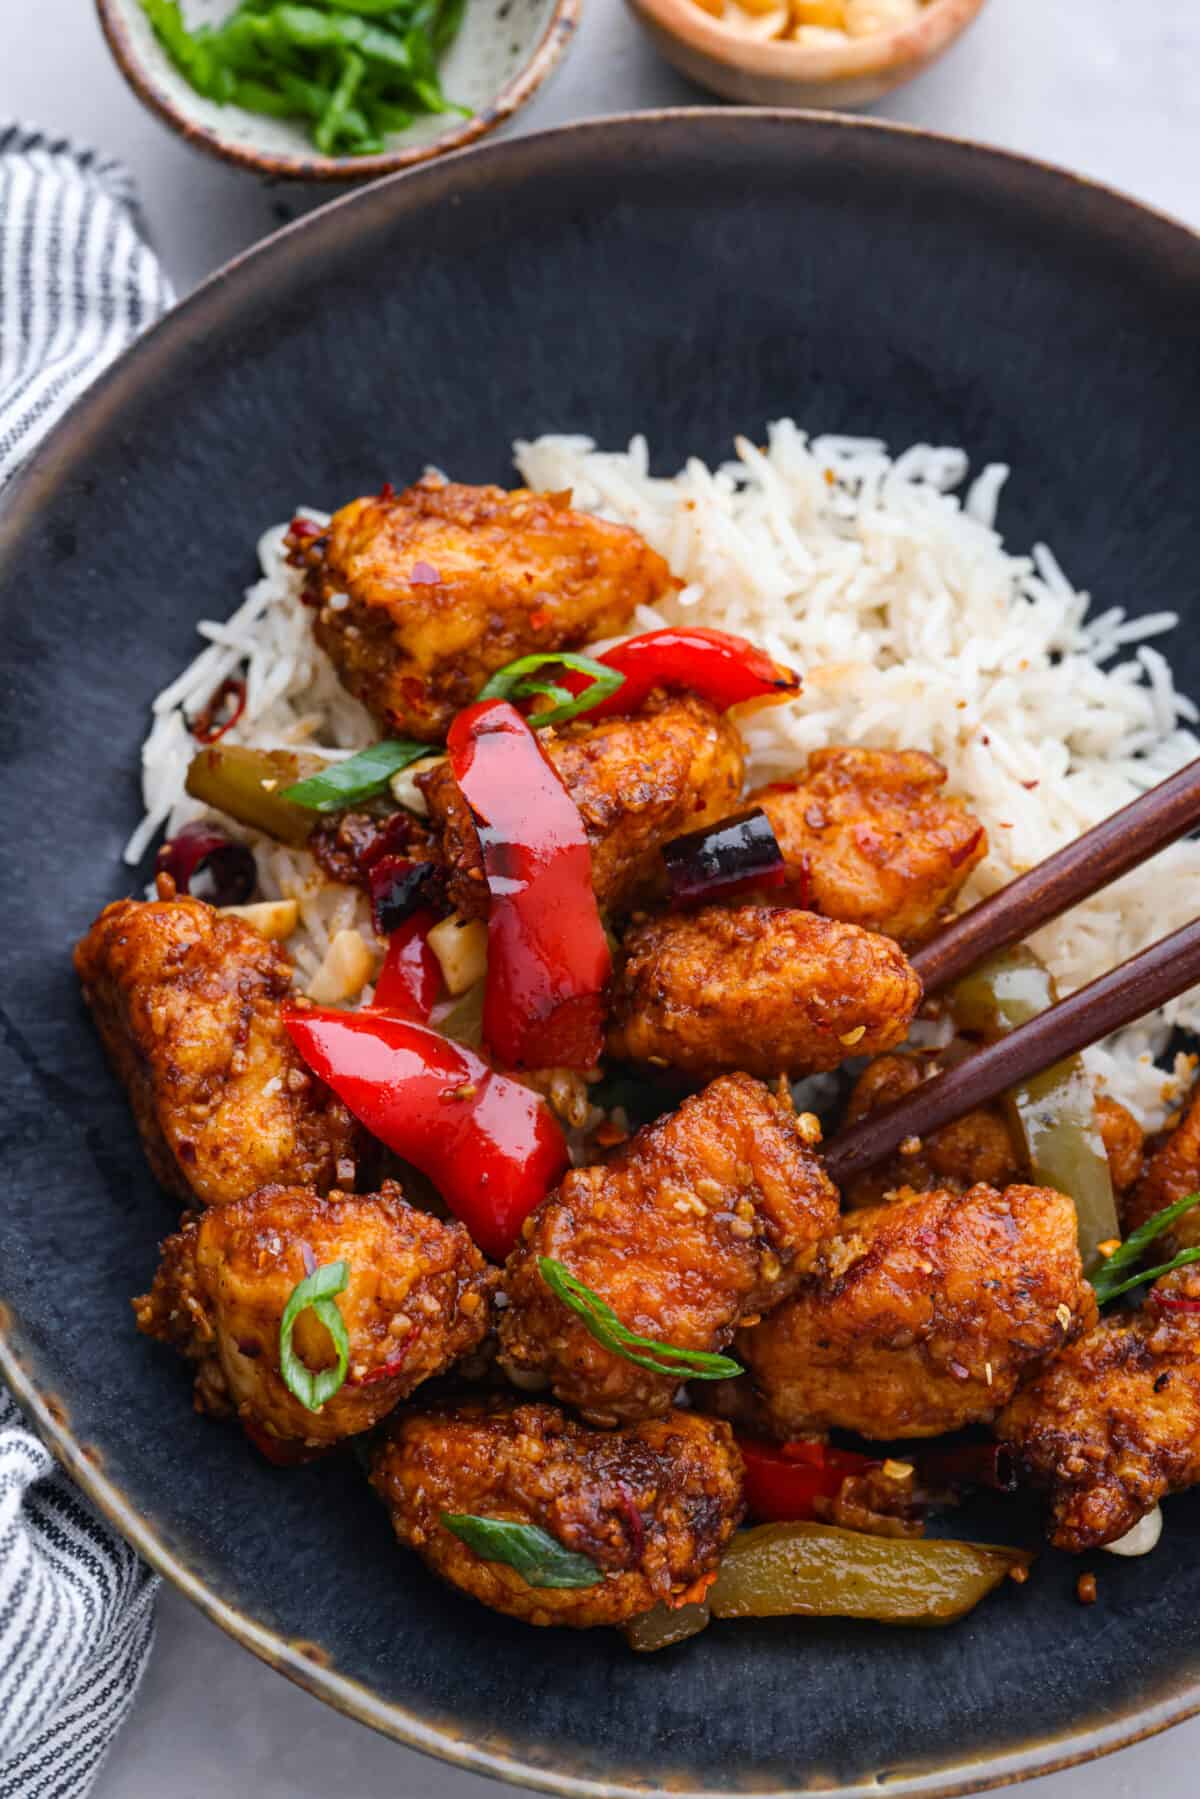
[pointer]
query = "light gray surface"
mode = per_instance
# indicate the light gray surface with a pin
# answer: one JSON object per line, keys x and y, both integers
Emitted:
{"x": 1109, "y": 87}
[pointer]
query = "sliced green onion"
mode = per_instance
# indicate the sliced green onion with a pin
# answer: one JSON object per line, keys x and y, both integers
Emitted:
{"x": 360, "y": 777}
{"x": 317, "y": 1291}
{"x": 606, "y": 1327}
{"x": 512, "y": 683}
{"x": 538, "y": 1558}
{"x": 332, "y": 122}
{"x": 1120, "y": 1273}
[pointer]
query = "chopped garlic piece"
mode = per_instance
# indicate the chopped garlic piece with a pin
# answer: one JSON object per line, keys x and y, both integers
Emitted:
{"x": 1142, "y": 1538}
{"x": 761, "y": 26}
{"x": 404, "y": 787}
{"x": 866, "y": 18}
{"x": 460, "y": 945}
{"x": 275, "y": 919}
{"x": 348, "y": 965}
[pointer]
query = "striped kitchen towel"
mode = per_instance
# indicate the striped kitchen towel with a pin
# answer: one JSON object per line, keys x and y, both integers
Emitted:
{"x": 77, "y": 284}
{"x": 77, "y": 280}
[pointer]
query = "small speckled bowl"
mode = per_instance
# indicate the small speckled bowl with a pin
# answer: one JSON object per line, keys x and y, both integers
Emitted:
{"x": 776, "y": 72}
{"x": 503, "y": 53}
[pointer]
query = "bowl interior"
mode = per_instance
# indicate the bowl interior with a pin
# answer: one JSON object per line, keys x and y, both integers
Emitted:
{"x": 495, "y": 43}
{"x": 690, "y": 276}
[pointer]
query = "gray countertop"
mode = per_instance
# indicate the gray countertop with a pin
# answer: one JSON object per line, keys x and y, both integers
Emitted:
{"x": 1105, "y": 86}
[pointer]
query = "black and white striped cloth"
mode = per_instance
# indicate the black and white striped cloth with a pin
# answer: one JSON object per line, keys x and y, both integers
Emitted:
{"x": 78, "y": 281}
{"x": 77, "y": 284}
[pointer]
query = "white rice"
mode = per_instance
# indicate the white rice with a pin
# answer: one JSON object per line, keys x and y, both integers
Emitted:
{"x": 885, "y": 581}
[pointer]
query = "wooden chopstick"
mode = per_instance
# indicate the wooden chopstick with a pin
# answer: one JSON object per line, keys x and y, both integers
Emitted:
{"x": 1102, "y": 855}
{"x": 1161, "y": 973}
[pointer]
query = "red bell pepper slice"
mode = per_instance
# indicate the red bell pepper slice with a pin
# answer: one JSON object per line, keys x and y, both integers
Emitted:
{"x": 783, "y": 1482}
{"x": 724, "y": 669}
{"x": 410, "y": 979}
{"x": 490, "y": 1146}
{"x": 548, "y": 958}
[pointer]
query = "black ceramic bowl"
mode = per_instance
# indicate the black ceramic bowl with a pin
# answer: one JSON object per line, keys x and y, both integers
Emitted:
{"x": 690, "y": 274}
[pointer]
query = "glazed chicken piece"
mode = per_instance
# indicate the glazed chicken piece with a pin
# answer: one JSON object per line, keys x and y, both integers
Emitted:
{"x": 869, "y": 837}
{"x": 653, "y": 1507}
{"x": 1113, "y": 1425}
{"x": 701, "y": 1222}
{"x": 188, "y": 1005}
{"x": 1171, "y": 1174}
{"x": 418, "y": 1297}
{"x": 981, "y": 1146}
{"x": 638, "y": 782}
{"x": 761, "y": 988}
{"x": 921, "y": 1316}
{"x": 422, "y": 595}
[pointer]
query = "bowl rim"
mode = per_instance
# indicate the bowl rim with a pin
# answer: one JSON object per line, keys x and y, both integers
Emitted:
{"x": 886, "y": 52}
{"x": 305, "y": 1663}
{"x": 545, "y": 56}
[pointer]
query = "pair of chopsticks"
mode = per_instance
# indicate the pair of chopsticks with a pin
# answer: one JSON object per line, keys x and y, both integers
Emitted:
{"x": 1168, "y": 968}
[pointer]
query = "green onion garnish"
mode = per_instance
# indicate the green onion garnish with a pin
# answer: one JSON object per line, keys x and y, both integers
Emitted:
{"x": 514, "y": 682}
{"x": 358, "y": 778}
{"x": 606, "y": 1327}
{"x": 349, "y": 71}
{"x": 316, "y": 1290}
{"x": 1114, "y": 1277}
{"x": 537, "y": 1557}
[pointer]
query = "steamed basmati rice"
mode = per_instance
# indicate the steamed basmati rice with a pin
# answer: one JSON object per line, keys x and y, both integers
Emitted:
{"x": 892, "y": 591}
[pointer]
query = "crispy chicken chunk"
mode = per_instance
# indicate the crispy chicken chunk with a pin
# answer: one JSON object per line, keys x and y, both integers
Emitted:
{"x": 1113, "y": 1425}
{"x": 422, "y": 595}
{"x": 653, "y": 1507}
{"x": 188, "y": 1006}
{"x": 921, "y": 1316}
{"x": 1124, "y": 1142}
{"x": 981, "y": 1146}
{"x": 1171, "y": 1173}
{"x": 698, "y": 1224}
{"x": 870, "y": 838}
{"x": 638, "y": 782}
{"x": 417, "y": 1298}
{"x": 762, "y": 988}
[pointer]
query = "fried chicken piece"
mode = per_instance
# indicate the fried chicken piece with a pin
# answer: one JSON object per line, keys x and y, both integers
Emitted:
{"x": 1172, "y": 1172}
{"x": 1113, "y": 1425}
{"x": 922, "y": 1315}
{"x": 762, "y": 988}
{"x": 1124, "y": 1142}
{"x": 417, "y": 1298}
{"x": 699, "y": 1223}
{"x": 638, "y": 782}
{"x": 981, "y": 1146}
{"x": 188, "y": 1005}
{"x": 978, "y": 1147}
{"x": 870, "y": 838}
{"x": 422, "y": 595}
{"x": 653, "y": 1507}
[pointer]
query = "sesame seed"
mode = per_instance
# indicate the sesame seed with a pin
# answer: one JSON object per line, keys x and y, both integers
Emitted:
{"x": 850, "y": 1038}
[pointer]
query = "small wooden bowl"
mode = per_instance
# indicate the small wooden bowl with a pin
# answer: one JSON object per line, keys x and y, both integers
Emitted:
{"x": 503, "y": 53}
{"x": 780, "y": 73}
